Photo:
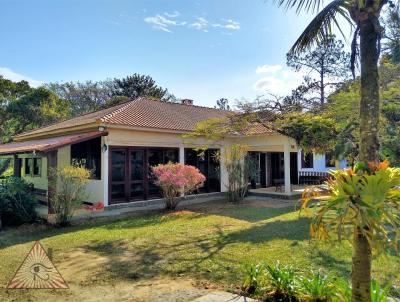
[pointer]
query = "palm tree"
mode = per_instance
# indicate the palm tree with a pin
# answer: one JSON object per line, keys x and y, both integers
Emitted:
{"x": 363, "y": 16}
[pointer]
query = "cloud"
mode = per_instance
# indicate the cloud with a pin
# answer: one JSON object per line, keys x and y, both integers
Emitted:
{"x": 17, "y": 77}
{"x": 166, "y": 21}
{"x": 161, "y": 22}
{"x": 277, "y": 80}
{"x": 268, "y": 68}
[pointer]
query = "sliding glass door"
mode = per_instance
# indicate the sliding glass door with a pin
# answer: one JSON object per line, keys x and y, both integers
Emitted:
{"x": 130, "y": 172}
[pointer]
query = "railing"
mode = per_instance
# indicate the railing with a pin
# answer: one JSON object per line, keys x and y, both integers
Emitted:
{"x": 312, "y": 177}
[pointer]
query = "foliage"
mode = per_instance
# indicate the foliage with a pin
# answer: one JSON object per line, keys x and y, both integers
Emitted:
{"x": 282, "y": 280}
{"x": 364, "y": 199}
{"x": 311, "y": 132}
{"x": 326, "y": 65}
{"x": 223, "y": 104}
{"x": 254, "y": 278}
{"x": 5, "y": 167}
{"x": 317, "y": 287}
{"x": 240, "y": 168}
{"x": 71, "y": 185}
{"x": 391, "y": 34}
{"x": 177, "y": 179}
{"x": 17, "y": 203}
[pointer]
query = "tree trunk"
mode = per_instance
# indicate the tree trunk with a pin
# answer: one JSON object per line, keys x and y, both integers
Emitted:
{"x": 361, "y": 273}
{"x": 369, "y": 145}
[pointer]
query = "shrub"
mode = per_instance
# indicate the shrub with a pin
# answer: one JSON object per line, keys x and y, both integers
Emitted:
{"x": 316, "y": 287}
{"x": 378, "y": 294}
{"x": 177, "y": 179}
{"x": 17, "y": 203}
{"x": 71, "y": 184}
{"x": 240, "y": 167}
{"x": 253, "y": 278}
{"x": 282, "y": 281}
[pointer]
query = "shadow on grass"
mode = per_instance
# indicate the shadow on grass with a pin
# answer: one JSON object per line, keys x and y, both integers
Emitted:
{"x": 340, "y": 267}
{"x": 201, "y": 257}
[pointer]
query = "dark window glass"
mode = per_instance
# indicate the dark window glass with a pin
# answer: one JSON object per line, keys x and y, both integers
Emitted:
{"x": 137, "y": 156}
{"x": 137, "y": 191}
{"x": 329, "y": 161}
{"x": 28, "y": 166}
{"x": 307, "y": 160}
{"x": 118, "y": 191}
{"x": 118, "y": 165}
{"x": 88, "y": 155}
{"x": 171, "y": 155}
{"x": 37, "y": 166}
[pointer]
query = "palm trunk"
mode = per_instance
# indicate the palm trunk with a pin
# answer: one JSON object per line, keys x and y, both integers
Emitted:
{"x": 369, "y": 146}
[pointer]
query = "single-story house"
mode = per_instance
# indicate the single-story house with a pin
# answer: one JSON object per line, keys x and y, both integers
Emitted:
{"x": 121, "y": 143}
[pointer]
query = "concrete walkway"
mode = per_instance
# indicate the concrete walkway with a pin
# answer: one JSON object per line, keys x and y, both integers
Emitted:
{"x": 220, "y": 296}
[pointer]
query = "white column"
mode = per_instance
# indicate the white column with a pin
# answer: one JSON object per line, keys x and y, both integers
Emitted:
{"x": 181, "y": 154}
{"x": 104, "y": 170}
{"x": 224, "y": 173}
{"x": 286, "y": 157}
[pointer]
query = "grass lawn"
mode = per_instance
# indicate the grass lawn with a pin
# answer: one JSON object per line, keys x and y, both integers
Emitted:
{"x": 207, "y": 244}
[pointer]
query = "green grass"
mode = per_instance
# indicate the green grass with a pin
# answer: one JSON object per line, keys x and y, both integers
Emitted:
{"x": 203, "y": 245}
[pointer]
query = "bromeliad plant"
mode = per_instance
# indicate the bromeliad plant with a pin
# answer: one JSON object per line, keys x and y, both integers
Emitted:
{"x": 177, "y": 180}
{"x": 363, "y": 204}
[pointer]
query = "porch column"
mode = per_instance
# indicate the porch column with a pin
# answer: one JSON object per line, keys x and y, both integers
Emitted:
{"x": 286, "y": 157}
{"x": 17, "y": 166}
{"x": 182, "y": 154}
{"x": 105, "y": 171}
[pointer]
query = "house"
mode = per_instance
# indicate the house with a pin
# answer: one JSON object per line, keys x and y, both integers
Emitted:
{"x": 120, "y": 144}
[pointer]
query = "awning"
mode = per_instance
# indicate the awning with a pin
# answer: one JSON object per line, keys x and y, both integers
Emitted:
{"x": 48, "y": 144}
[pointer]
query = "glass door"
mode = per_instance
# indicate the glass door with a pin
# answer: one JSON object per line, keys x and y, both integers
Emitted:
{"x": 118, "y": 175}
{"x": 137, "y": 174}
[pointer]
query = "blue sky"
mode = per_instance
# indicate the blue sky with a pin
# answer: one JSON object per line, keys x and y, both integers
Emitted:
{"x": 203, "y": 50}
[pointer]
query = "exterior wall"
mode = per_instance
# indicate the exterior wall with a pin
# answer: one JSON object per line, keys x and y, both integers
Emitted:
{"x": 39, "y": 182}
{"x": 319, "y": 164}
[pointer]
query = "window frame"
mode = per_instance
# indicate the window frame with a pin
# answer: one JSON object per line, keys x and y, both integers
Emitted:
{"x": 304, "y": 162}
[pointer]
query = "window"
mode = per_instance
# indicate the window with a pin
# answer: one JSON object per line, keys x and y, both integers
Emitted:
{"x": 329, "y": 161}
{"x": 28, "y": 166}
{"x": 88, "y": 155}
{"x": 37, "y": 166}
{"x": 307, "y": 160}
{"x": 33, "y": 167}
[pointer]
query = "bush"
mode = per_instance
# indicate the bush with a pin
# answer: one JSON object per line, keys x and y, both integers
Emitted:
{"x": 254, "y": 278}
{"x": 316, "y": 287}
{"x": 282, "y": 282}
{"x": 176, "y": 180}
{"x": 17, "y": 203}
{"x": 240, "y": 168}
{"x": 71, "y": 185}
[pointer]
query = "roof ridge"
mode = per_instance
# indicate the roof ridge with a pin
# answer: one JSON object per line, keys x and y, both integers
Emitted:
{"x": 118, "y": 110}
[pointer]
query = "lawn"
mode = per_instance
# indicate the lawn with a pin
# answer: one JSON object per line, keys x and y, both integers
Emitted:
{"x": 206, "y": 244}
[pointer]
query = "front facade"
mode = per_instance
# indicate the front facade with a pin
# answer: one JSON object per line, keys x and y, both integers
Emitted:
{"x": 121, "y": 144}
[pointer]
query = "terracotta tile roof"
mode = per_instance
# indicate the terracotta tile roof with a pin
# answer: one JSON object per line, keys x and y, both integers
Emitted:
{"x": 142, "y": 113}
{"x": 48, "y": 144}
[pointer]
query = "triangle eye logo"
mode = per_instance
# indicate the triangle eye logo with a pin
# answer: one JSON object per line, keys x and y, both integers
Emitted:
{"x": 37, "y": 271}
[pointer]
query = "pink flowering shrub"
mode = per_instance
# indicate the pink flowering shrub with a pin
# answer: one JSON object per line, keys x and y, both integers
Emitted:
{"x": 176, "y": 180}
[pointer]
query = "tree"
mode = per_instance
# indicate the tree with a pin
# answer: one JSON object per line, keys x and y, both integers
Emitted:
{"x": 391, "y": 35}
{"x": 223, "y": 104}
{"x": 83, "y": 97}
{"x": 326, "y": 65}
{"x": 364, "y": 15}
{"x": 138, "y": 85}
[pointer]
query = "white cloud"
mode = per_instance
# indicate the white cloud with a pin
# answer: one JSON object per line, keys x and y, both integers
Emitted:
{"x": 16, "y": 77}
{"x": 268, "y": 68}
{"x": 231, "y": 24}
{"x": 161, "y": 23}
{"x": 278, "y": 80}
{"x": 172, "y": 15}
{"x": 166, "y": 21}
{"x": 200, "y": 24}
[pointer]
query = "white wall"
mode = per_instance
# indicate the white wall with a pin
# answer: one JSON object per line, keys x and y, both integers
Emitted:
{"x": 319, "y": 164}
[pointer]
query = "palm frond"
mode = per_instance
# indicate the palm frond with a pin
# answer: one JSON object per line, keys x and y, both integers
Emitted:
{"x": 301, "y": 5}
{"x": 321, "y": 26}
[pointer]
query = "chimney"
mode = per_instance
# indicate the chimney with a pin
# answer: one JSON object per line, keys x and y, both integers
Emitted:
{"x": 188, "y": 102}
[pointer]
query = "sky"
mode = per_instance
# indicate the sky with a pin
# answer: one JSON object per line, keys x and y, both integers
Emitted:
{"x": 201, "y": 50}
